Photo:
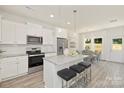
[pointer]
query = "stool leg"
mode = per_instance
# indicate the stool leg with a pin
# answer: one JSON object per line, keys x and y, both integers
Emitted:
{"x": 90, "y": 73}
{"x": 62, "y": 84}
{"x": 66, "y": 84}
{"x": 86, "y": 76}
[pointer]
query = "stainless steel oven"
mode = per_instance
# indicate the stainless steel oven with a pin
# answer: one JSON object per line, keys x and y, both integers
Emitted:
{"x": 35, "y": 60}
{"x": 34, "y": 40}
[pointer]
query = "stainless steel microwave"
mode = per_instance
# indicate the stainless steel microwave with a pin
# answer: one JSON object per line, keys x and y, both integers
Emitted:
{"x": 34, "y": 40}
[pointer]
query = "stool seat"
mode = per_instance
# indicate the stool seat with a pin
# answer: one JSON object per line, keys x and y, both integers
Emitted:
{"x": 66, "y": 74}
{"x": 77, "y": 68}
{"x": 85, "y": 64}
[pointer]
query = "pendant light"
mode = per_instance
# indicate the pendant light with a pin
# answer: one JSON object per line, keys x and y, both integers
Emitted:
{"x": 74, "y": 19}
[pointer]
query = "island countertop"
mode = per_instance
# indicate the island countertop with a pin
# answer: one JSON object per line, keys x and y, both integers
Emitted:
{"x": 62, "y": 59}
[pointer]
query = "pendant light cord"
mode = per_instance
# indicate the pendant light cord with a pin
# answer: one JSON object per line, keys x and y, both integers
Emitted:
{"x": 75, "y": 11}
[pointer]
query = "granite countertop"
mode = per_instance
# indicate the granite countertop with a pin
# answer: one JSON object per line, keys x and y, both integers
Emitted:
{"x": 12, "y": 55}
{"x": 60, "y": 60}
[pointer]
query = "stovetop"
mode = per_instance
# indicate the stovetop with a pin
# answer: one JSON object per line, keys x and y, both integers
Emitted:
{"x": 36, "y": 52}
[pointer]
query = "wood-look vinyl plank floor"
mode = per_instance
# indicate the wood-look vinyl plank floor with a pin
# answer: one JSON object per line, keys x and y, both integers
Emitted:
{"x": 104, "y": 75}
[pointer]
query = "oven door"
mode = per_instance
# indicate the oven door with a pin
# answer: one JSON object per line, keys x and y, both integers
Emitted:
{"x": 35, "y": 61}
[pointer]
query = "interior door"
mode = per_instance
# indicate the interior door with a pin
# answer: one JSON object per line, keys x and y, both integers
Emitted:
{"x": 116, "y": 48}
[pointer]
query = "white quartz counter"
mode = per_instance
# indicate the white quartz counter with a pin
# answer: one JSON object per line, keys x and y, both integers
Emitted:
{"x": 60, "y": 60}
{"x": 12, "y": 55}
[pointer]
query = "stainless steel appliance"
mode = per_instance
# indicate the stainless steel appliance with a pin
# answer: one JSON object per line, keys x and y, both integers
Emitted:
{"x": 35, "y": 60}
{"x": 62, "y": 43}
{"x": 34, "y": 40}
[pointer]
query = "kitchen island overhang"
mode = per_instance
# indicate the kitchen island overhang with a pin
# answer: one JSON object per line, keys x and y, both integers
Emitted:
{"x": 53, "y": 64}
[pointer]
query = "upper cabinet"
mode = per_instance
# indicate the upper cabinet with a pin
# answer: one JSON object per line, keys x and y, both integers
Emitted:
{"x": 8, "y": 32}
{"x": 0, "y": 30}
{"x": 21, "y": 33}
{"x": 13, "y": 33}
{"x": 61, "y": 33}
{"x": 34, "y": 29}
{"x": 16, "y": 33}
{"x": 48, "y": 36}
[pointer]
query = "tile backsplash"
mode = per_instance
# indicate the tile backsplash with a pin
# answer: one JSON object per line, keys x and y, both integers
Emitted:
{"x": 21, "y": 49}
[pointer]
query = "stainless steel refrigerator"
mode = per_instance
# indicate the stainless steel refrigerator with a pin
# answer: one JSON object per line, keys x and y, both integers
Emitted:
{"x": 62, "y": 43}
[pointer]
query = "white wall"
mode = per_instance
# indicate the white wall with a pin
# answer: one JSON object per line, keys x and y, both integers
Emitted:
{"x": 105, "y": 34}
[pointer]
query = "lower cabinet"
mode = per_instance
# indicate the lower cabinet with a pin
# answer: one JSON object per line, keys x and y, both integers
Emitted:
{"x": 0, "y": 72}
{"x": 13, "y": 66}
{"x": 22, "y": 65}
{"x": 8, "y": 69}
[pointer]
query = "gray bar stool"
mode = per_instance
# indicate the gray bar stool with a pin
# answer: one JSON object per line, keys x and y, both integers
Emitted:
{"x": 87, "y": 65}
{"x": 67, "y": 75}
{"x": 80, "y": 70}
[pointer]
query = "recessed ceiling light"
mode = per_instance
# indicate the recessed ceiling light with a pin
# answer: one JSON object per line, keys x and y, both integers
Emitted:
{"x": 51, "y": 15}
{"x": 68, "y": 23}
{"x": 60, "y": 31}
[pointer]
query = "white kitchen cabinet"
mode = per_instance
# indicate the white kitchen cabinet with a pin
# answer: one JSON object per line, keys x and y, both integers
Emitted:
{"x": 8, "y": 32}
{"x": 0, "y": 71}
{"x": 21, "y": 33}
{"x": 8, "y": 67}
{"x": 50, "y": 54}
{"x": 13, "y": 33}
{"x": 48, "y": 37}
{"x": 0, "y": 30}
{"x": 22, "y": 64}
{"x": 13, "y": 66}
{"x": 62, "y": 33}
{"x": 34, "y": 29}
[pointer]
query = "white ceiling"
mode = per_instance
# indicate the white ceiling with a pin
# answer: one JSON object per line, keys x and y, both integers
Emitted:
{"x": 87, "y": 17}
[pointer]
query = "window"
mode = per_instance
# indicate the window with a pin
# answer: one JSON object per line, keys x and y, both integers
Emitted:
{"x": 87, "y": 44}
{"x": 87, "y": 41}
{"x": 98, "y": 45}
{"x": 117, "y": 44}
{"x": 98, "y": 40}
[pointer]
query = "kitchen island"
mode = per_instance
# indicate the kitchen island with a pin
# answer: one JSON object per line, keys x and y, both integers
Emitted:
{"x": 56, "y": 63}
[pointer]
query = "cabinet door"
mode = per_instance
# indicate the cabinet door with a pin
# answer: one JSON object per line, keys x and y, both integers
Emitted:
{"x": 8, "y": 32}
{"x": 34, "y": 30}
{"x": 21, "y": 33}
{"x": 0, "y": 71}
{"x": 8, "y": 67}
{"x": 0, "y": 31}
{"x": 47, "y": 36}
{"x": 22, "y": 64}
